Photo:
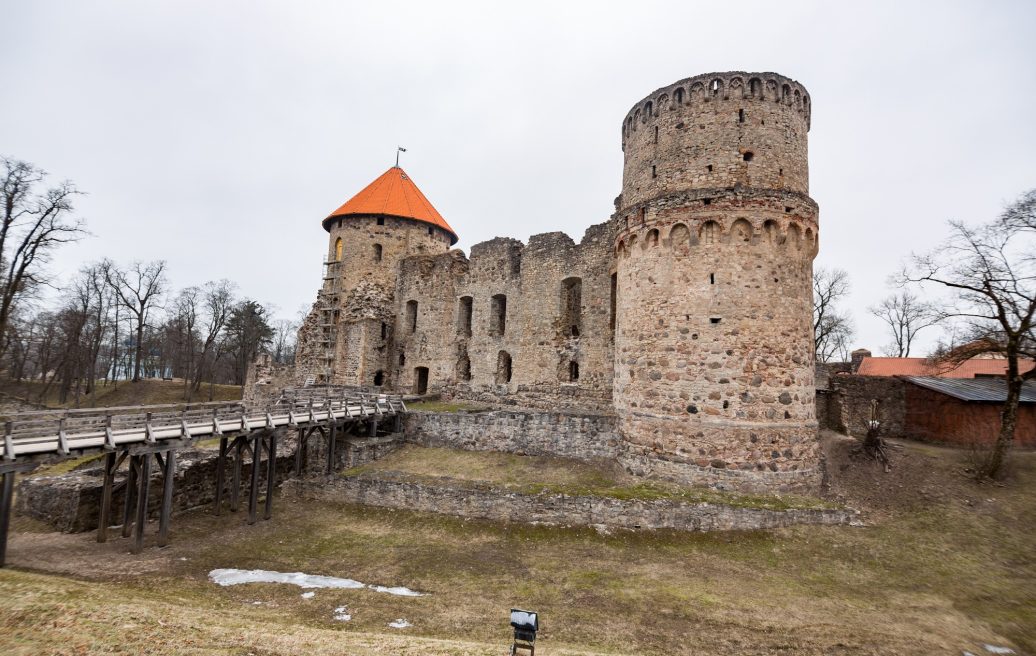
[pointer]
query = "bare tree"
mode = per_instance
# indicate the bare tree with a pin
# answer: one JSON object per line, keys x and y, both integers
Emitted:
{"x": 186, "y": 320}
{"x": 217, "y": 304}
{"x": 832, "y": 328}
{"x": 284, "y": 340}
{"x": 991, "y": 269}
{"x": 138, "y": 289}
{"x": 32, "y": 224}
{"x": 905, "y": 315}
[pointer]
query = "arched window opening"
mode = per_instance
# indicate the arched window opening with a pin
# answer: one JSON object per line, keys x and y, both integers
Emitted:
{"x": 379, "y": 378}
{"x": 680, "y": 239}
{"x": 503, "y": 368}
{"x": 411, "y": 317}
{"x": 402, "y": 358}
{"x": 464, "y": 368}
{"x": 377, "y": 252}
{"x": 572, "y": 306}
{"x": 573, "y": 371}
{"x": 678, "y": 97}
{"x": 498, "y": 315}
{"x": 384, "y": 330}
{"x": 648, "y": 110}
{"x": 652, "y": 238}
{"x": 464, "y": 307}
{"x": 338, "y": 250}
{"x": 709, "y": 232}
{"x": 420, "y": 380}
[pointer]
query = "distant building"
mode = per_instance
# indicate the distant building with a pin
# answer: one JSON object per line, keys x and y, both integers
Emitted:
{"x": 864, "y": 364}
{"x": 964, "y": 412}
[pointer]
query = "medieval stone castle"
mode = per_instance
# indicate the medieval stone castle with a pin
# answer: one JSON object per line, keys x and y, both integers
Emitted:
{"x": 686, "y": 315}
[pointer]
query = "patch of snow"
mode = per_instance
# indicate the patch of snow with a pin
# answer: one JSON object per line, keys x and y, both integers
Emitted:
{"x": 225, "y": 577}
{"x": 993, "y": 649}
{"x": 308, "y": 595}
{"x": 400, "y": 624}
{"x": 398, "y": 591}
{"x": 342, "y": 614}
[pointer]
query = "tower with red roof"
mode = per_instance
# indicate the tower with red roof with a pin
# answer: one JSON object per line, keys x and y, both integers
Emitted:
{"x": 345, "y": 338}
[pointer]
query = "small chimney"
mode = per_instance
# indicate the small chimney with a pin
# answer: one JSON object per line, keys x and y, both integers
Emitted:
{"x": 856, "y": 358}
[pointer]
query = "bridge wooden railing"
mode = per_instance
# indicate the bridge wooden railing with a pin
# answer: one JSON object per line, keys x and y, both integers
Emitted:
{"x": 142, "y": 432}
{"x": 65, "y": 432}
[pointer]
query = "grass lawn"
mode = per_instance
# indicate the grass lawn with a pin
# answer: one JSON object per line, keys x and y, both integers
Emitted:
{"x": 943, "y": 565}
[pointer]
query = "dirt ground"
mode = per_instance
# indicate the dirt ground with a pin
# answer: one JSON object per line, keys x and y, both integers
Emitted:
{"x": 941, "y": 565}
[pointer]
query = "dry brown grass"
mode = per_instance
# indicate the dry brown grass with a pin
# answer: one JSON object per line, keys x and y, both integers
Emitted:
{"x": 936, "y": 574}
{"x": 144, "y": 392}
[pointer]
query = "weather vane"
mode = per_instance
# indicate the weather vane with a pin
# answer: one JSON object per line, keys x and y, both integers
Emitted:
{"x": 399, "y": 149}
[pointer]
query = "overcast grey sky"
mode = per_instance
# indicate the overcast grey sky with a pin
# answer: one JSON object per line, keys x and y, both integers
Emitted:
{"x": 217, "y": 135}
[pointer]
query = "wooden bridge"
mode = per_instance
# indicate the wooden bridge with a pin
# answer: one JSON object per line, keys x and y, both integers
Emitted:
{"x": 143, "y": 434}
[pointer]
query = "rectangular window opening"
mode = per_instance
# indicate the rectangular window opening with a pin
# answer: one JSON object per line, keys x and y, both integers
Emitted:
{"x": 715, "y": 319}
{"x": 464, "y": 307}
{"x": 498, "y": 315}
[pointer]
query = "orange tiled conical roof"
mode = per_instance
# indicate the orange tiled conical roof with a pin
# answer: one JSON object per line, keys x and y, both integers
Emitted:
{"x": 393, "y": 194}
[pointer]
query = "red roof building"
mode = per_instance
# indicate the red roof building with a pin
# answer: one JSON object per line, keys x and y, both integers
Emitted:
{"x": 974, "y": 368}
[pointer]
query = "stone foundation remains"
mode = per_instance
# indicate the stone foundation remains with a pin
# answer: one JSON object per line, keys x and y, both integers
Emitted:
{"x": 462, "y": 499}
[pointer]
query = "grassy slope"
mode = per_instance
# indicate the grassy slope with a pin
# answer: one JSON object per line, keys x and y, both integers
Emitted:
{"x": 144, "y": 392}
{"x": 533, "y": 475}
{"x": 928, "y": 576}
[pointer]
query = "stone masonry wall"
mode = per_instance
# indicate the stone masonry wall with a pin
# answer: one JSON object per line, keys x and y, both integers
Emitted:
{"x": 560, "y": 350}
{"x": 584, "y": 437}
{"x": 849, "y": 404}
{"x": 485, "y": 502}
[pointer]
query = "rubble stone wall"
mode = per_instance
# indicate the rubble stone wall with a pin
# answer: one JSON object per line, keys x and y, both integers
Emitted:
{"x": 486, "y": 502}
{"x": 583, "y": 436}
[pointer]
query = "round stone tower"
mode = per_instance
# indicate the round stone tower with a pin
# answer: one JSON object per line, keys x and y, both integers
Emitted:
{"x": 714, "y": 254}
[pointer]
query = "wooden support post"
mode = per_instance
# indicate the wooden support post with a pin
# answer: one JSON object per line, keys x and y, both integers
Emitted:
{"x": 374, "y": 427}
{"x": 221, "y": 468}
{"x": 105, "y": 519}
{"x": 271, "y": 475}
{"x": 331, "y": 446}
{"x": 131, "y": 491}
{"x": 144, "y": 485}
{"x": 398, "y": 428}
{"x": 167, "y": 497}
{"x": 235, "y": 479}
{"x": 253, "y": 493}
{"x": 298, "y": 453}
{"x": 6, "y": 499}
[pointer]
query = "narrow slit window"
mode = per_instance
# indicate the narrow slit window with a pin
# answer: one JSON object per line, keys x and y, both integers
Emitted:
{"x": 572, "y": 306}
{"x": 712, "y": 278}
{"x": 411, "y": 316}
{"x": 740, "y": 116}
{"x": 377, "y": 252}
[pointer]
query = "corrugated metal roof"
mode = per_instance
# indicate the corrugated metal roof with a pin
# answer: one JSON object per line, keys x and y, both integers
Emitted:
{"x": 974, "y": 389}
